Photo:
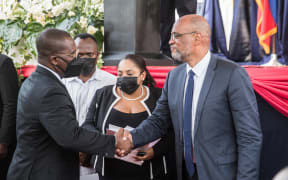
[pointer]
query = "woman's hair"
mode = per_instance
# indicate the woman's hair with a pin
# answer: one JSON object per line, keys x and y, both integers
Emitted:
{"x": 141, "y": 64}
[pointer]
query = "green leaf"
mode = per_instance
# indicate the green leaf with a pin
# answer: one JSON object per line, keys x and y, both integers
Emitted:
{"x": 49, "y": 25}
{"x": 34, "y": 27}
{"x": 21, "y": 24}
{"x": 22, "y": 50}
{"x": 96, "y": 21}
{"x": 100, "y": 39}
{"x": 18, "y": 10}
{"x": 12, "y": 33}
{"x": 17, "y": 65}
{"x": 31, "y": 42}
{"x": 27, "y": 57}
{"x": 2, "y": 27}
{"x": 60, "y": 18}
{"x": 66, "y": 24}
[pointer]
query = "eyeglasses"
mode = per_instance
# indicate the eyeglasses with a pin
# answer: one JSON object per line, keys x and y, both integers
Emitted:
{"x": 175, "y": 35}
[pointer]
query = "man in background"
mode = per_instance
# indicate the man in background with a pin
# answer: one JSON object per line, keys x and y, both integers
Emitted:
{"x": 83, "y": 87}
{"x": 167, "y": 19}
{"x": 8, "y": 105}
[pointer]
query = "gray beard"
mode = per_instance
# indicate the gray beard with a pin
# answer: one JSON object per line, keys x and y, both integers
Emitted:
{"x": 177, "y": 56}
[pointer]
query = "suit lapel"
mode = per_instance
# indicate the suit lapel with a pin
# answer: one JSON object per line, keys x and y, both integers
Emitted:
{"x": 181, "y": 84}
{"x": 204, "y": 90}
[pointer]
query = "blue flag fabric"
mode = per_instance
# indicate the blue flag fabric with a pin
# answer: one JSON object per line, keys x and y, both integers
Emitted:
{"x": 282, "y": 35}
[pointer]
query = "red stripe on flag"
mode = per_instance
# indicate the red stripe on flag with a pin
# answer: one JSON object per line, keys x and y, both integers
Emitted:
{"x": 266, "y": 26}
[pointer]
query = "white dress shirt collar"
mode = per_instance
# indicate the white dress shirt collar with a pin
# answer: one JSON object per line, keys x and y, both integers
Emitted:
{"x": 201, "y": 66}
{"x": 97, "y": 75}
{"x": 82, "y": 93}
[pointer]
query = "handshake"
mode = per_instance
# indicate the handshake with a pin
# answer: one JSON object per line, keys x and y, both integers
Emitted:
{"x": 124, "y": 143}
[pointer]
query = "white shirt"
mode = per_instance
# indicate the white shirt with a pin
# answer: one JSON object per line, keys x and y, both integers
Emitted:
{"x": 83, "y": 93}
{"x": 199, "y": 70}
{"x": 55, "y": 74}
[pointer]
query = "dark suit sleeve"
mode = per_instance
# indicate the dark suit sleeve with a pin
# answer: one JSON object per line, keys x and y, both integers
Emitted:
{"x": 244, "y": 109}
{"x": 167, "y": 142}
{"x": 58, "y": 118}
{"x": 8, "y": 92}
{"x": 156, "y": 125}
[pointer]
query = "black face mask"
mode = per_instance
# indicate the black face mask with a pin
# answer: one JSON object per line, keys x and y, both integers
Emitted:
{"x": 79, "y": 65}
{"x": 88, "y": 66}
{"x": 127, "y": 84}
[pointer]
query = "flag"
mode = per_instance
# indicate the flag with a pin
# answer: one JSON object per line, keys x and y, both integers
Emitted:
{"x": 266, "y": 22}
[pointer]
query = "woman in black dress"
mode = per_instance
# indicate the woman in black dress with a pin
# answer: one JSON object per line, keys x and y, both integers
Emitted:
{"x": 128, "y": 103}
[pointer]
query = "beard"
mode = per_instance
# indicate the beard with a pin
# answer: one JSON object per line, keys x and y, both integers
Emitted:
{"x": 177, "y": 56}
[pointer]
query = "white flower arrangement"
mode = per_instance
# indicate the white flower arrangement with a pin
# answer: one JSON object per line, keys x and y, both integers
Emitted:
{"x": 83, "y": 22}
{"x": 20, "y": 23}
{"x": 71, "y": 13}
{"x": 92, "y": 30}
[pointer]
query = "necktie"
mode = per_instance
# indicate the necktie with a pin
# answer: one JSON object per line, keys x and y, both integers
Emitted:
{"x": 188, "y": 124}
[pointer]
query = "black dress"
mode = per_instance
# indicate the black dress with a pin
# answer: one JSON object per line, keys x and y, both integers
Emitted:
{"x": 115, "y": 169}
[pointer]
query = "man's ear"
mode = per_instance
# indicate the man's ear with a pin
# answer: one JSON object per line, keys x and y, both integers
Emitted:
{"x": 97, "y": 56}
{"x": 53, "y": 60}
{"x": 197, "y": 39}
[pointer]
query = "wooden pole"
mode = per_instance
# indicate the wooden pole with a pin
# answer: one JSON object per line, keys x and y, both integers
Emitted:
{"x": 273, "y": 56}
{"x": 274, "y": 44}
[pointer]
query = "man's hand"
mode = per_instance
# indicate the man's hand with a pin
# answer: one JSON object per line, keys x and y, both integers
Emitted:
{"x": 84, "y": 159}
{"x": 124, "y": 143}
{"x": 3, "y": 150}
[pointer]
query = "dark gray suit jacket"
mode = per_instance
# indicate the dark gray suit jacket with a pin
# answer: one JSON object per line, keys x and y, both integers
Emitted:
{"x": 8, "y": 105}
{"x": 227, "y": 132}
{"x": 48, "y": 135}
{"x": 8, "y": 100}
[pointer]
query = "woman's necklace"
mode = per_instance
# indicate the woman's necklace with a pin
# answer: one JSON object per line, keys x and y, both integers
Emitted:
{"x": 135, "y": 99}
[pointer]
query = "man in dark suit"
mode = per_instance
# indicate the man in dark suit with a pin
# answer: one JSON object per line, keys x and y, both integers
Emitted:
{"x": 212, "y": 107}
{"x": 48, "y": 135}
{"x": 167, "y": 18}
{"x": 8, "y": 105}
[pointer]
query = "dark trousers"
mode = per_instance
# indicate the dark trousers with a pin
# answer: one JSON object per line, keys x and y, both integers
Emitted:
{"x": 186, "y": 175}
{"x": 4, "y": 163}
{"x": 167, "y": 18}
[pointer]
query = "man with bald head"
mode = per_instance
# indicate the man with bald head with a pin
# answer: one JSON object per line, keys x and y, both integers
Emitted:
{"x": 211, "y": 105}
{"x": 48, "y": 135}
